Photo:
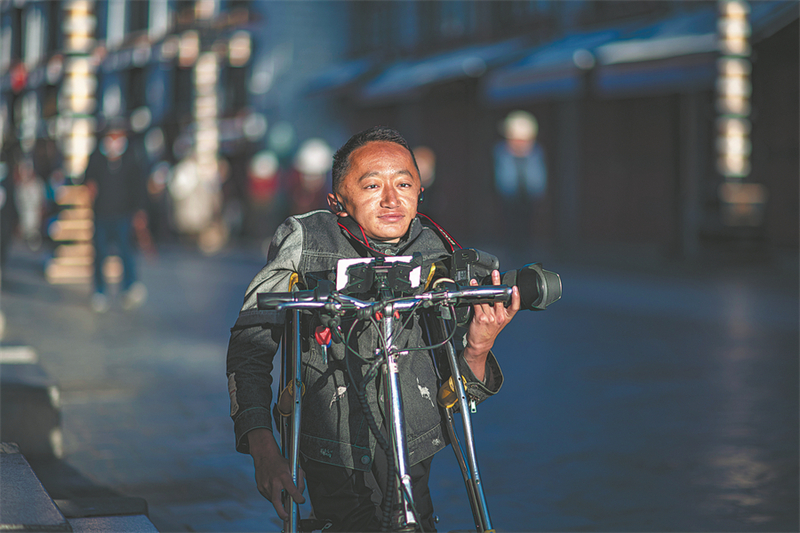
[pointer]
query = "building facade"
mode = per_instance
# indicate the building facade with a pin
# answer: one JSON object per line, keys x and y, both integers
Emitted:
{"x": 627, "y": 98}
{"x": 224, "y": 95}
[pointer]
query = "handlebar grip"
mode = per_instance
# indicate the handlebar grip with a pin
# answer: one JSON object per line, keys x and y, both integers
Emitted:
{"x": 271, "y": 300}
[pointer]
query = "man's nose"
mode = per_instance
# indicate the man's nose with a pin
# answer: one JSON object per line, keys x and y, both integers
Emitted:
{"x": 390, "y": 197}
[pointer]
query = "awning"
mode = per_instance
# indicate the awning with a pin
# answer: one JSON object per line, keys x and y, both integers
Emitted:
{"x": 678, "y": 54}
{"x": 406, "y": 78}
{"x": 339, "y": 76}
{"x": 554, "y": 70}
{"x": 675, "y": 55}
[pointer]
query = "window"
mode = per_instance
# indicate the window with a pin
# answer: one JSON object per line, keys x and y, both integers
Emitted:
{"x": 183, "y": 92}
{"x": 138, "y": 16}
{"x": 533, "y": 17}
{"x": 137, "y": 95}
{"x": 54, "y": 29}
{"x": 605, "y": 11}
{"x": 159, "y": 22}
{"x": 115, "y": 27}
{"x": 34, "y": 36}
{"x": 235, "y": 89}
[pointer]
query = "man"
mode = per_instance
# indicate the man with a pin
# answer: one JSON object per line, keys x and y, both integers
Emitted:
{"x": 118, "y": 186}
{"x": 376, "y": 190}
{"x": 9, "y": 215}
{"x": 520, "y": 176}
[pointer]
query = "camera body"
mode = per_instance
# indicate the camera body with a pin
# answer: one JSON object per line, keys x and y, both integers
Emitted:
{"x": 538, "y": 288}
{"x": 469, "y": 263}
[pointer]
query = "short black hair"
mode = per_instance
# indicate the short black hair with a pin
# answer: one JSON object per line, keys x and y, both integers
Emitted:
{"x": 341, "y": 159}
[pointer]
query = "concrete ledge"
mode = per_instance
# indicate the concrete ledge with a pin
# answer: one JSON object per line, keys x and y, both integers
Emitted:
{"x": 24, "y": 504}
{"x": 108, "y": 506}
{"x": 117, "y": 524}
{"x": 30, "y": 405}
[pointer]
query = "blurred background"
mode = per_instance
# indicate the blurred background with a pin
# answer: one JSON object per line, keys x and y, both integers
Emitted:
{"x": 666, "y": 128}
{"x": 647, "y": 149}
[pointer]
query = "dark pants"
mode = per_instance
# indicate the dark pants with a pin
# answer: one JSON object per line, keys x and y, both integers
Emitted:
{"x": 517, "y": 215}
{"x": 107, "y": 232}
{"x": 352, "y": 500}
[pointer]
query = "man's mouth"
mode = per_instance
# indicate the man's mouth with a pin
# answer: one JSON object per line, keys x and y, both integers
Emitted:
{"x": 392, "y": 217}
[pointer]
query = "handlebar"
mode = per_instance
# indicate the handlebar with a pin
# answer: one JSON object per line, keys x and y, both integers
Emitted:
{"x": 448, "y": 292}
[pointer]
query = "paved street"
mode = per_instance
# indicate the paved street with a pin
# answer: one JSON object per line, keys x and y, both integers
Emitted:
{"x": 652, "y": 400}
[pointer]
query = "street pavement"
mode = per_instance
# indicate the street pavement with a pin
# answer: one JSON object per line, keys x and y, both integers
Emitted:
{"x": 648, "y": 399}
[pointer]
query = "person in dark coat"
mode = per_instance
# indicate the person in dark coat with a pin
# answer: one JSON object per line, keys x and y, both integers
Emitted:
{"x": 117, "y": 180}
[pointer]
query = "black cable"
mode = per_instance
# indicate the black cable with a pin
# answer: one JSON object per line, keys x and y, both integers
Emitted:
{"x": 410, "y": 314}
{"x": 391, "y": 465}
{"x": 388, "y": 496}
{"x": 349, "y": 348}
{"x": 448, "y": 339}
{"x": 360, "y": 388}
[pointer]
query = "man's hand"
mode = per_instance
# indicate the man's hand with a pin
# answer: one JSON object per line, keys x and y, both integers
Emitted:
{"x": 488, "y": 320}
{"x": 273, "y": 473}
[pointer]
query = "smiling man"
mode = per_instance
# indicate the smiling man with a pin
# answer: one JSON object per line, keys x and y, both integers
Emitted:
{"x": 374, "y": 201}
{"x": 381, "y": 190}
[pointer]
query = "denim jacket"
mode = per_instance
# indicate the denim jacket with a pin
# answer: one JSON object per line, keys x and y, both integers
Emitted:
{"x": 333, "y": 428}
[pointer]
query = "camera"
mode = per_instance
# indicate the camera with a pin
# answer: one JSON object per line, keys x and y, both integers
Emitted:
{"x": 538, "y": 287}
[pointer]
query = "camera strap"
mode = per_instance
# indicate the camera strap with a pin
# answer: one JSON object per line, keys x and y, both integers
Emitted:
{"x": 448, "y": 239}
{"x": 356, "y": 234}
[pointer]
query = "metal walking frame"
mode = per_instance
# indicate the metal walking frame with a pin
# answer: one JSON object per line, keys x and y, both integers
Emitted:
{"x": 405, "y": 518}
{"x": 439, "y": 311}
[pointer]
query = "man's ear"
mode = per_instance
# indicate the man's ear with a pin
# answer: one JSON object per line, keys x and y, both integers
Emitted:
{"x": 335, "y": 205}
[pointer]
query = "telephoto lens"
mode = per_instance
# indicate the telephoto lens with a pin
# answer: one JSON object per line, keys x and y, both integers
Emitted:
{"x": 538, "y": 287}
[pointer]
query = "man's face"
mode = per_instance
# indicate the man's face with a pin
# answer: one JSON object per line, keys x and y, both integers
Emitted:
{"x": 380, "y": 190}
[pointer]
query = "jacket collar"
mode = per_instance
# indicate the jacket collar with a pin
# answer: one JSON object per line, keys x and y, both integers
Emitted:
{"x": 368, "y": 247}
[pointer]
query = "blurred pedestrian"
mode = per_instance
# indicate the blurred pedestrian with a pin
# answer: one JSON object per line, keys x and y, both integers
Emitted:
{"x": 9, "y": 216}
{"x": 117, "y": 181}
{"x": 426, "y": 161}
{"x": 30, "y": 193}
{"x": 520, "y": 176}
{"x": 49, "y": 165}
{"x": 308, "y": 179}
{"x": 265, "y": 205}
{"x": 158, "y": 208}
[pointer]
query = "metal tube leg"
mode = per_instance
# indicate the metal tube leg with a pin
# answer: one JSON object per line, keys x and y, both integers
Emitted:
{"x": 474, "y": 487}
{"x": 394, "y": 404}
{"x": 290, "y": 431}
{"x": 465, "y": 472}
